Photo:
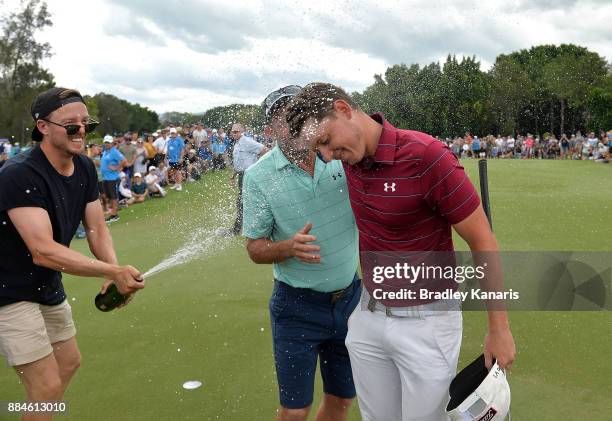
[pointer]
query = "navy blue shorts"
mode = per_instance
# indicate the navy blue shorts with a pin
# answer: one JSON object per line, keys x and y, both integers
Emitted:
{"x": 307, "y": 325}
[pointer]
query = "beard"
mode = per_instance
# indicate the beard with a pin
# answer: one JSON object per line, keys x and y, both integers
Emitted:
{"x": 301, "y": 156}
{"x": 294, "y": 153}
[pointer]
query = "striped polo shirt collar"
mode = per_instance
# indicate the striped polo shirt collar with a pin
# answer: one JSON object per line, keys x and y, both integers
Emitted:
{"x": 387, "y": 144}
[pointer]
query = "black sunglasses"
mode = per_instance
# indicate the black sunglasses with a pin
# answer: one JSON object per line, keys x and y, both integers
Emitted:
{"x": 72, "y": 129}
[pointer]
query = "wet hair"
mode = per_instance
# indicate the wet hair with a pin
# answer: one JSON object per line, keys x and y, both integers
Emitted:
{"x": 315, "y": 100}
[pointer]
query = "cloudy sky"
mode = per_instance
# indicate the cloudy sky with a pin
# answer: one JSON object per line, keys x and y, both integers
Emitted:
{"x": 191, "y": 55}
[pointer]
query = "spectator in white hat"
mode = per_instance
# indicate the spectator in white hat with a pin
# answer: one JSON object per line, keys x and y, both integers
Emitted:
{"x": 111, "y": 163}
{"x": 139, "y": 188}
{"x": 176, "y": 153}
{"x": 152, "y": 180}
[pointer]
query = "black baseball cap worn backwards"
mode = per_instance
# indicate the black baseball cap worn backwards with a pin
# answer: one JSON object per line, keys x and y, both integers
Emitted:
{"x": 49, "y": 101}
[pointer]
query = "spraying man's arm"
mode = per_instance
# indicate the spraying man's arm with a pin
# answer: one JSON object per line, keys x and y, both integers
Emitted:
{"x": 99, "y": 239}
{"x": 34, "y": 227}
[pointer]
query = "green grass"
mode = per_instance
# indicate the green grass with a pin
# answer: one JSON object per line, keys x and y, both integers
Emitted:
{"x": 214, "y": 309}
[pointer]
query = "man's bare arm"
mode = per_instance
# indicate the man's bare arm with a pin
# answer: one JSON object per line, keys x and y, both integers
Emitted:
{"x": 34, "y": 227}
{"x": 499, "y": 342}
{"x": 264, "y": 250}
{"x": 98, "y": 234}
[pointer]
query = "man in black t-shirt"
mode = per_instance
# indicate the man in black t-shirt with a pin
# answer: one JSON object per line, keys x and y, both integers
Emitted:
{"x": 45, "y": 193}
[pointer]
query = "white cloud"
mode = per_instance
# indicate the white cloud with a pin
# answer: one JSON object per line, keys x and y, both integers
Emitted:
{"x": 191, "y": 55}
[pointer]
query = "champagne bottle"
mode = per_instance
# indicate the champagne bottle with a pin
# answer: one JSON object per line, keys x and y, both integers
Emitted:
{"x": 111, "y": 298}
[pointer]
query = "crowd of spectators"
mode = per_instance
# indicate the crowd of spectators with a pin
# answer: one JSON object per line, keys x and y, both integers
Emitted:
{"x": 133, "y": 167}
{"x": 576, "y": 146}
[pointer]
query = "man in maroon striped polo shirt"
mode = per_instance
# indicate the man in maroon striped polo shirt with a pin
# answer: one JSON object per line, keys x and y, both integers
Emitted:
{"x": 407, "y": 190}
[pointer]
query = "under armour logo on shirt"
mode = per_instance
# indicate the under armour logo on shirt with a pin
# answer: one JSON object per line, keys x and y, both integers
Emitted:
{"x": 339, "y": 175}
{"x": 389, "y": 187}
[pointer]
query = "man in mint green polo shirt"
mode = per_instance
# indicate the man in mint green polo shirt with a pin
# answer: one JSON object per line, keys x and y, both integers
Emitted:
{"x": 297, "y": 216}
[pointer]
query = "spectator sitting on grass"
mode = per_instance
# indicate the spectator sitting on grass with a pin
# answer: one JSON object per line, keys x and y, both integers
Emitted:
{"x": 601, "y": 152}
{"x": 125, "y": 194}
{"x": 592, "y": 140}
{"x": 139, "y": 188}
{"x": 153, "y": 182}
{"x": 586, "y": 150}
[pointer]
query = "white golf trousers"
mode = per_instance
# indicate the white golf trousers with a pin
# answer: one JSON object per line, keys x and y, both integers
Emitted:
{"x": 402, "y": 367}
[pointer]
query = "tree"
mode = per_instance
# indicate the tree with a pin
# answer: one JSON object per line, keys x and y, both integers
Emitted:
{"x": 118, "y": 115}
{"x": 175, "y": 117}
{"x": 564, "y": 86}
{"x": 561, "y": 77}
{"x": 600, "y": 105}
{"x": 464, "y": 94}
{"x": 113, "y": 115}
{"x": 225, "y": 116}
{"x": 142, "y": 119}
{"x": 570, "y": 76}
{"x": 444, "y": 101}
{"x": 22, "y": 76}
{"x": 375, "y": 98}
{"x": 511, "y": 91}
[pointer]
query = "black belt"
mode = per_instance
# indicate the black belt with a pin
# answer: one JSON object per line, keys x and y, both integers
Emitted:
{"x": 329, "y": 297}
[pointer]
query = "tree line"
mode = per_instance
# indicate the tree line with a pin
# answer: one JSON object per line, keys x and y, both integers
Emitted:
{"x": 220, "y": 117}
{"x": 546, "y": 89}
